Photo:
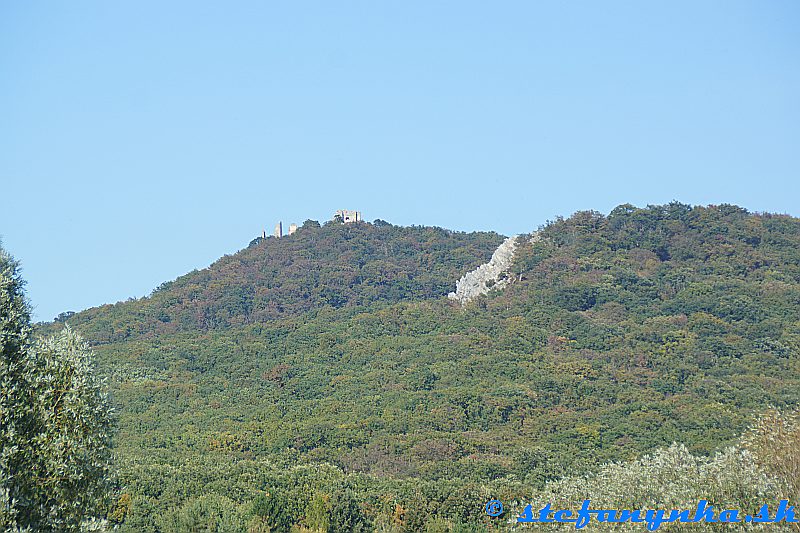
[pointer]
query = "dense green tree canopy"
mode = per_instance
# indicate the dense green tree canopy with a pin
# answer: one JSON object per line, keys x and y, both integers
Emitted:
{"x": 337, "y": 265}
{"x": 349, "y": 377}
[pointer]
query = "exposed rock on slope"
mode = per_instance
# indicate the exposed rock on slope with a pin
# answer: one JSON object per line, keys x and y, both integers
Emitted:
{"x": 488, "y": 276}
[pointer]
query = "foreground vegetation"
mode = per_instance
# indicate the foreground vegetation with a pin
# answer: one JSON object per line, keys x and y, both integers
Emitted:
{"x": 761, "y": 467}
{"x": 369, "y": 401}
{"x": 55, "y": 423}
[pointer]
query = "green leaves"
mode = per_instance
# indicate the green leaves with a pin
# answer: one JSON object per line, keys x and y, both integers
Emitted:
{"x": 72, "y": 438}
{"x": 56, "y": 423}
{"x": 17, "y": 415}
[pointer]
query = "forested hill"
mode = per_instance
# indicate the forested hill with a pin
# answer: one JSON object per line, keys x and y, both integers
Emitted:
{"x": 336, "y": 265}
{"x": 619, "y": 334}
{"x": 720, "y": 260}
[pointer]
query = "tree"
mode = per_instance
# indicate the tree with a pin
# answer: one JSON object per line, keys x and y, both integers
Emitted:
{"x": 345, "y": 514}
{"x": 55, "y": 422}
{"x": 15, "y": 409}
{"x": 207, "y": 513}
{"x": 63, "y": 317}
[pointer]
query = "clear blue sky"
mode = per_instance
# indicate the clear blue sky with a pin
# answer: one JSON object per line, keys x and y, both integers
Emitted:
{"x": 140, "y": 140}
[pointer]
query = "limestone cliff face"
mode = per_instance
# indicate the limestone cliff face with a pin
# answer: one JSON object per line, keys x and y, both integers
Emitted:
{"x": 488, "y": 276}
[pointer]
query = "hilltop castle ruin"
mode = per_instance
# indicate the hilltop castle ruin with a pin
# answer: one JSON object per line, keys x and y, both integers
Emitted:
{"x": 344, "y": 216}
{"x": 347, "y": 216}
{"x": 278, "y": 233}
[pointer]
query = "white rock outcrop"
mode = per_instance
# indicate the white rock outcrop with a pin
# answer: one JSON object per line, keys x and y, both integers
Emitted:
{"x": 488, "y": 276}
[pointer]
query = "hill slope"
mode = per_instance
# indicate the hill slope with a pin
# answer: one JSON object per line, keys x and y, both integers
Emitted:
{"x": 336, "y": 265}
{"x": 617, "y": 334}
